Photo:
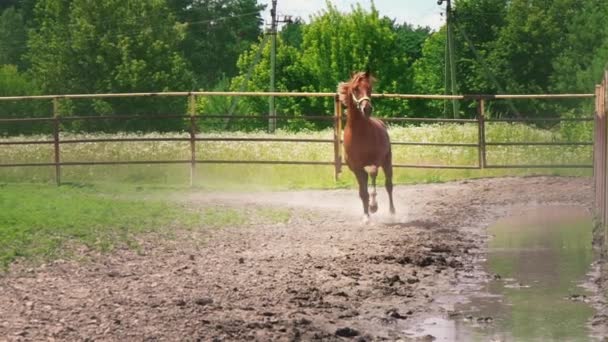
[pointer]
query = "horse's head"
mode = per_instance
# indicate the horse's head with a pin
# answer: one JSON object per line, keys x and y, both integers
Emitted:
{"x": 358, "y": 92}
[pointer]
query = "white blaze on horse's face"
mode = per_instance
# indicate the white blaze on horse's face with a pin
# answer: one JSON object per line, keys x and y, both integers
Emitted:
{"x": 362, "y": 98}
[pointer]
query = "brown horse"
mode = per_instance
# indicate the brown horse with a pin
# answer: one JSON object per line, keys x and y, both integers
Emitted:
{"x": 366, "y": 140}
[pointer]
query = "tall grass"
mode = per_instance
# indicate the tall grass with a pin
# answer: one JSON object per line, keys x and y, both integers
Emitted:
{"x": 224, "y": 176}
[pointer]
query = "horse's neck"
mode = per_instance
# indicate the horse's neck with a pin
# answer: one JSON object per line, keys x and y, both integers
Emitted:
{"x": 354, "y": 119}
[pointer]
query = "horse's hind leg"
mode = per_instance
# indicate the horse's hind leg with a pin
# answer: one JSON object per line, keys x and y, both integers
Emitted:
{"x": 363, "y": 194}
{"x": 388, "y": 174}
{"x": 373, "y": 204}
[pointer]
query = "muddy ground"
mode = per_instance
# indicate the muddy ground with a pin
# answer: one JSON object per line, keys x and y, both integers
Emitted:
{"x": 322, "y": 275}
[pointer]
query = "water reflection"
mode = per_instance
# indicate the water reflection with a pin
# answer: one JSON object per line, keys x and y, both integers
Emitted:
{"x": 538, "y": 257}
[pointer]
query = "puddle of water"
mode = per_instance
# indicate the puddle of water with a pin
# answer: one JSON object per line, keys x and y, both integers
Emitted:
{"x": 539, "y": 257}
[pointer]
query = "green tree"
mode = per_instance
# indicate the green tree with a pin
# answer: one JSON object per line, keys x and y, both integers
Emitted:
{"x": 6, "y": 4}
{"x": 333, "y": 46}
{"x": 291, "y": 75}
{"x": 336, "y": 44}
{"x": 13, "y": 83}
{"x": 410, "y": 40}
{"x": 533, "y": 36}
{"x": 217, "y": 32}
{"x": 429, "y": 75}
{"x": 477, "y": 27}
{"x": 83, "y": 46}
{"x": 292, "y": 33}
{"x": 12, "y": 37}
{"x": 580, "y": 65}
{"x": 528, "y": 45}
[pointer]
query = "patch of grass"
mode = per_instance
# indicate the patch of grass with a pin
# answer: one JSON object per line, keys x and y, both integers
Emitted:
{"x": 43, "y": 222}
{"x": 220, "y": 217}
{"x": 273, "y": 215}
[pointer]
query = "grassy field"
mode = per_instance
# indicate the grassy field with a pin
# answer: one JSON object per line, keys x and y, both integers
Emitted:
{"x": 42, "y": 222}
{"x": 251, "y": 177}
{"x": 101, "y": 207}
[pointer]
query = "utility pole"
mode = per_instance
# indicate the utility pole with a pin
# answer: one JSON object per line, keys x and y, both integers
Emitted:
{"x": 272, "y": 121}
{"x": 450, "y": 63}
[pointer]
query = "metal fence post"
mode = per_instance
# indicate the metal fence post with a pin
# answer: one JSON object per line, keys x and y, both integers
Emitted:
{"x": 57, "y": 157}
{"x": 192, "y": 113}
{"x": 481, "y": 132}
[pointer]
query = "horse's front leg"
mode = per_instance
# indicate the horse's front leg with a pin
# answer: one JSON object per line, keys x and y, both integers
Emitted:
{"x": 373, "y": 204}
{"x": 361, "y": 175}
{"x": 388, "y": 174}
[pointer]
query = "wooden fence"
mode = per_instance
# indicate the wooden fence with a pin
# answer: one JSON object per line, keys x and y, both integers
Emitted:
{"x": 338, "y": 118}
{"x": 600, "y": 158}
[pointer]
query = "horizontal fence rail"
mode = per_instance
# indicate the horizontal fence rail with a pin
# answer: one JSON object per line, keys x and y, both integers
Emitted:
{"x": 338, "y": 120}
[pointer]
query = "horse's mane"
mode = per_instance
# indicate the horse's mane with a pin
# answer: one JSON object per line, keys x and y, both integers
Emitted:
{"x": 344, "y": 87}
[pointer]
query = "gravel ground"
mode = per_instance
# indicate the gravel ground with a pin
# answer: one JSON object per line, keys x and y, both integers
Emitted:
{"x": 322, "y": 275}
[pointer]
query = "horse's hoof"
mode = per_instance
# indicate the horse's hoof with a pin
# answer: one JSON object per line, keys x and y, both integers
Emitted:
{"x": 373, "y": 208}
{"x": 365, "y": 219}
{"x": 392, "y": 211}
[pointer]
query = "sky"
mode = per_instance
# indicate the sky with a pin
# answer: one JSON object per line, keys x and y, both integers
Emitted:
{"x": 415, "y": 12}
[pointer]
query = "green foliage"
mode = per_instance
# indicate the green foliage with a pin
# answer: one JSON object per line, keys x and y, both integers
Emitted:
{"x": 13, "y": 83}
{"x": 580, "y": 66}
{"x": 429, "y": 74}
{"x": 104, "y": 46}
{"x": 122, "y": 48}
{"x": 478, "y": 25}
{"x": 12, "y": 37}
{"x": 531, "y": 39}
{"x": 292, "y": 33}
{"x": 83, "y": 46}
{"x": 315, "y": 57}
{"x": 336, "y": 45}
{"x": 216, "y": 32}
{"x": 211, "y": 106}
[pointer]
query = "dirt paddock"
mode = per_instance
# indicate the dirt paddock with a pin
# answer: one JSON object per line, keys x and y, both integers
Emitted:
{"x": 322, "y": 275}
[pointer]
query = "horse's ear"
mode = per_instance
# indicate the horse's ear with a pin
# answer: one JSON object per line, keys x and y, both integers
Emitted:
{"x": 342, "y": 92}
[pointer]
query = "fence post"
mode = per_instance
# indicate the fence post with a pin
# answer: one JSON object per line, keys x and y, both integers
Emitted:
{"x": 604, "y": 132}
{"x": 600, "y": 158}
{"x": 56, "y": 140}
{"x": 597, "y": 150}
{"x": 337, "y": 137}
{"x": 481, "y": 132}
{"x": 192, "y": 113}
